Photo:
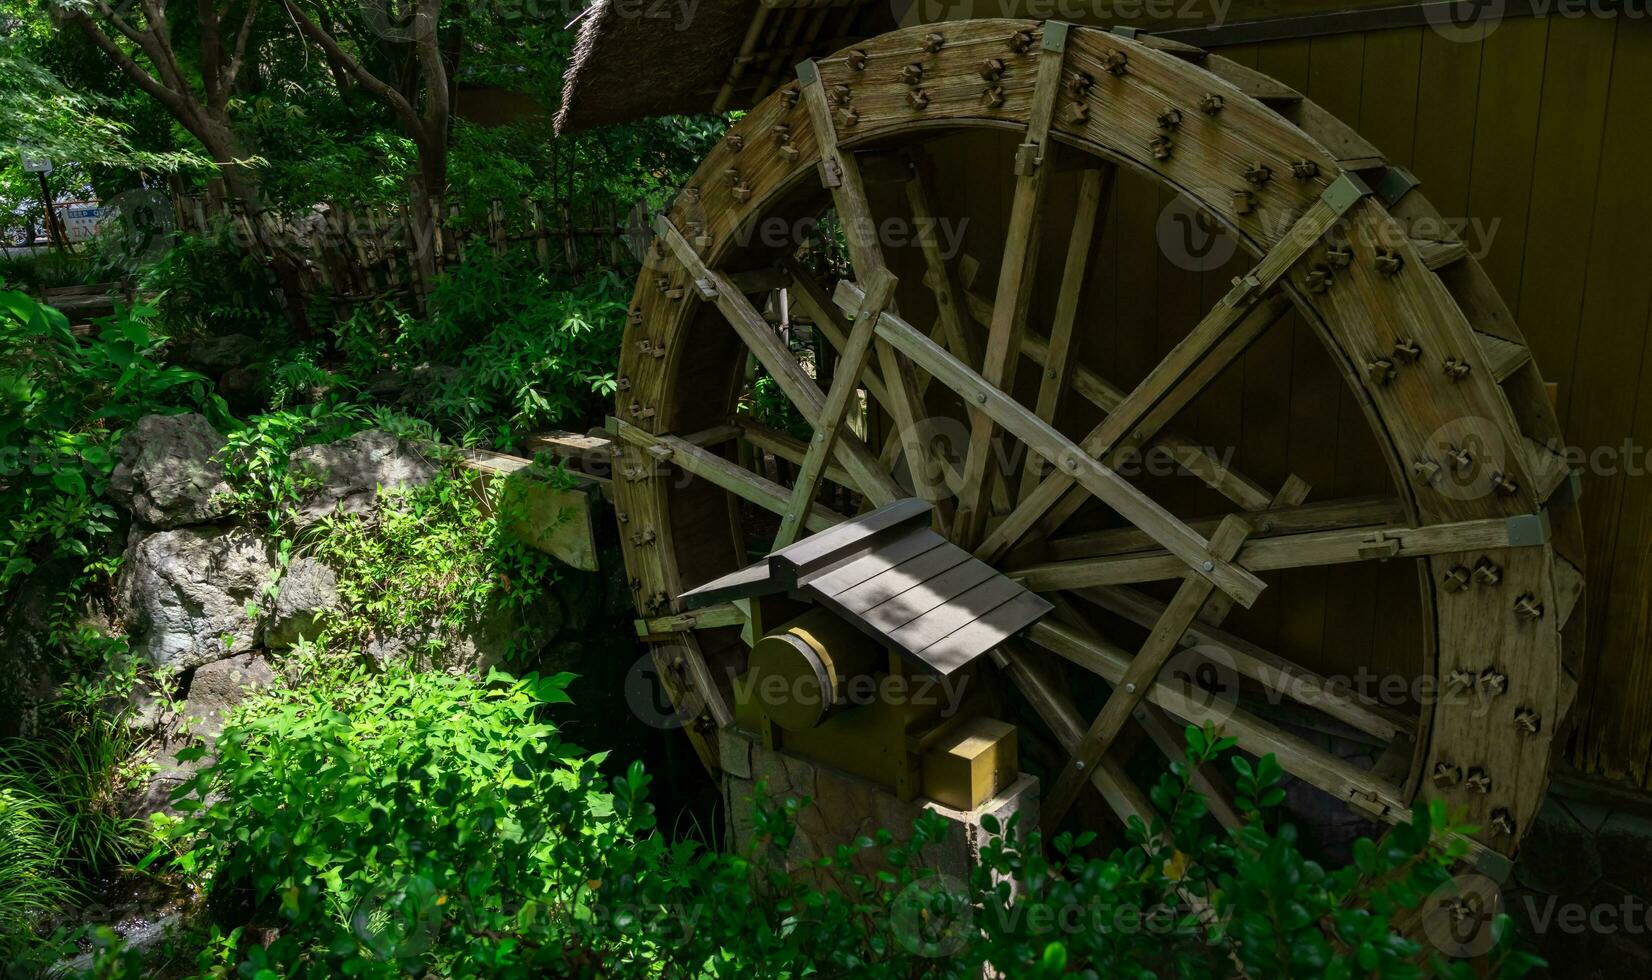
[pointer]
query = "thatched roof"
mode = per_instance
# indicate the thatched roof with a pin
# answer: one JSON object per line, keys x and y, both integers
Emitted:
{"x": 636, "y": 58}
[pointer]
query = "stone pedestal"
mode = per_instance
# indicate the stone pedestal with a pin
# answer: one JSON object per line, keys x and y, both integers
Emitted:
{"x": 846, "y": 807}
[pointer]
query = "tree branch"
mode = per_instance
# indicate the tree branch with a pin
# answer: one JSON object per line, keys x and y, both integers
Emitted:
{"x": 212, "y": 48}
{"x": 130, "y": 68}
{"x": 239, "y": 57}
{"x": 429, "y": 44}
{"x": 341, "y": 58}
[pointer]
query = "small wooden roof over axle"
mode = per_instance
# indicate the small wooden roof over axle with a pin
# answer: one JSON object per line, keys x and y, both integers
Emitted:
{"x": 898, "y": 581}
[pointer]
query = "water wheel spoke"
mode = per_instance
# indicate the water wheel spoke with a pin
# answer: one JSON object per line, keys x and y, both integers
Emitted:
{"x": 1016, "y": 275}
{"x": 771, "y": 352}
{"x": 1214, "y": 342}
{"x": 787, "y": 447}
{"x": 719, "y": 471}
{"x": 1372, "y": 794}
{"x": 932, "y": 474}
{"x": 1186, "y": 370}
{"x": 1291, "y": 494}
{"x": 1095, "y": 187}
{"x": 812, "y": 298}
{"x": 942, "y": 274}
{"x": 857, "y": 351}
{"x": 1267, "y": 668}
{"x": 1033, "y": 677}
{"x": 842, "y": 176}
{"x": 1143, "y": 670}
{"x": 1277, "y": 522}
{"x": 1092, "y": 387}
{"x": 1047, "y": 441}
{"x": 1310, "y": 550}
{"x": 1153, "y": 721}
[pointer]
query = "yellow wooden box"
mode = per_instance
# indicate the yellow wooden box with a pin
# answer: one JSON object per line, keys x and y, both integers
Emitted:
{"x": 970, "y": 763}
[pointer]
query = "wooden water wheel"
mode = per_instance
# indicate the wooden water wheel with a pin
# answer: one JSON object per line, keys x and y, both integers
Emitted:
{"x": 1464, "y": 553}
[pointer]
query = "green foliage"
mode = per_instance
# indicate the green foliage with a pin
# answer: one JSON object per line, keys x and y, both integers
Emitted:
{"x": 433, "y": 823}
{"x": 30, "y": 884}
{"x": 85, "y": 770}
{"x": 256, "y": 457}
{"x": 40, "y": 112}
{"x": 63, "y": 404}
{"x": 766, "y": 402}
{"x": 210, "y": 284}
{"x": 517, "y": 351}
{"x": 1187, "y": 901}
{"x": 434, "y": 560}
{"x": 43, "y": 270}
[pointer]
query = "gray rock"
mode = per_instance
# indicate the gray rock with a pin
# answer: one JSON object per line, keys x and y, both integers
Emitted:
{"x": 168, "y": 472}
{"x": 221, "y": 685}
{"x": 308, "y": 590}
{"x": 211, "y": 355}
{"x": 188, "y": 596}
{"x": 214, "y": 689}
{"x": 352, "y": 471}
{"x": 146, "y": 710}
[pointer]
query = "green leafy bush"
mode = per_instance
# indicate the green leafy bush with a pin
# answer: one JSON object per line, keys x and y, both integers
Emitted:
{"x": 210, "y": 284}
{"x": 435, "y": 560}
{"x": 256, "y": 456}
{"x": 514, "y": 350}
{"x": 63, "y": 404}
{"x": 433, "y": 823}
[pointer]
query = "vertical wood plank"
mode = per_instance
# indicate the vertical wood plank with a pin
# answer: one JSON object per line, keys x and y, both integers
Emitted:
{"x": 1505, "y": 138}
{"x": 1565, "y": 178}
{"x": 1617, "y": 299}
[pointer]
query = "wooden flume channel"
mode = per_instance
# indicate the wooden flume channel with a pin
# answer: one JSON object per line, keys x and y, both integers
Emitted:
{"x": 1412, "y": 325}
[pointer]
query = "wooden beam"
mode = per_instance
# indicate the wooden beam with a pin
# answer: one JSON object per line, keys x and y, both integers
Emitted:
{"x": 1267, "y": 668}
{"x": 1291, "y": 494}
{"x": 1094, "y": 191}
{"x": 715, "y": 469}
{"x": 1054, "y": 705}
{"x": 880, "y": 291}
{"x": 786, "y": 447}
{"x": 760, "y": 338}
{"x": 1372, "y": 794}
{"x": 813, "y": 300}
{"x": 1291, "y": 551}
{"x": 1340, "y": 778}
{"x": 695, "y": 619}
{"x": 1194, "y": 360}
{"x": 1164, "y": 640}
{"x": 1124, "y": 431}
{"x": 840, "y": 172}
{"x": 1086, "y": 383}
{"x": 1047, "y": 441}
{"x": 1322, "y": 516}
{"x": 942, "y": 270}
{"x": 1164, "y": 732}
{"x": 1016, "y": 273}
